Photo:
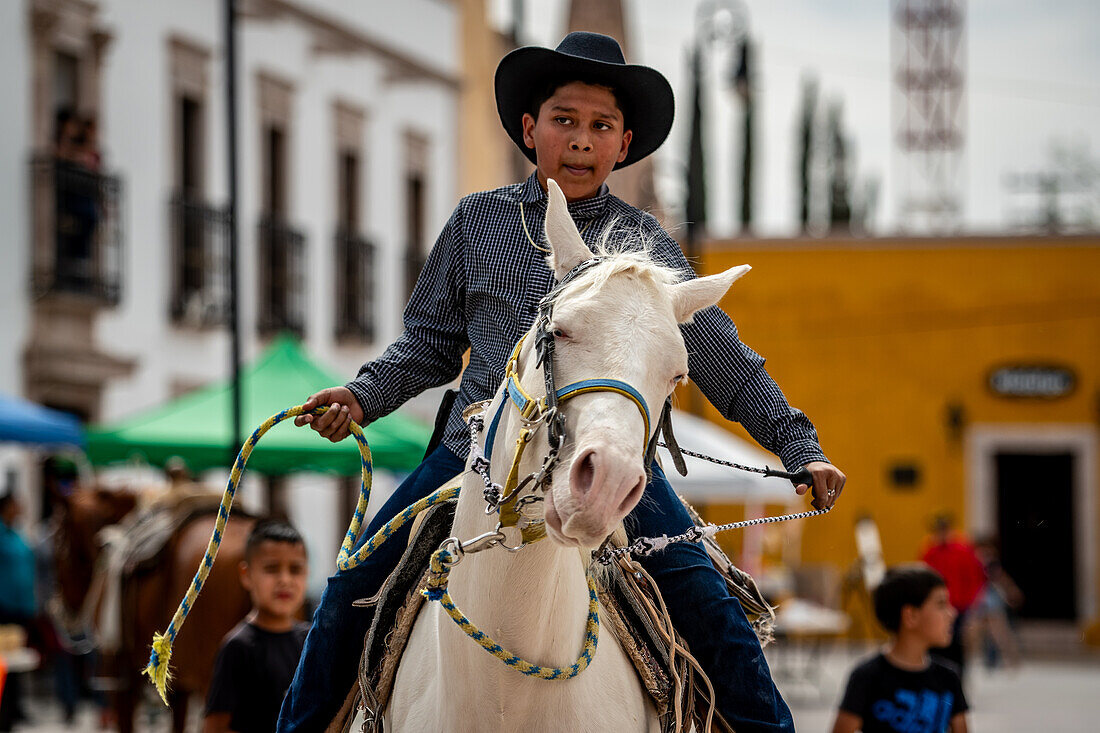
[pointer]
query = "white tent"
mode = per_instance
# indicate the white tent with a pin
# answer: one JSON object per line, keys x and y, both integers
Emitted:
{"x": 708, "y": 482}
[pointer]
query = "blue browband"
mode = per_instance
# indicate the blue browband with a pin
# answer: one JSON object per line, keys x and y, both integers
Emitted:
{"x": 527, "y": 404}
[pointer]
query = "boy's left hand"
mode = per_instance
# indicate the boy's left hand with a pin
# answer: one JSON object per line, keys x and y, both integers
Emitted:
{"x": 828, "y": 483}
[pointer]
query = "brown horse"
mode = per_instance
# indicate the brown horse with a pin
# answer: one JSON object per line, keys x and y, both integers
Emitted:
{"x": 150, "y": 593}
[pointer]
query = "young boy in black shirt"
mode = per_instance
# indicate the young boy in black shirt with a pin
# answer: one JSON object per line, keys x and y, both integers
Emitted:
{"x": 903, "y": 690}
{"x": 257, "y": 658}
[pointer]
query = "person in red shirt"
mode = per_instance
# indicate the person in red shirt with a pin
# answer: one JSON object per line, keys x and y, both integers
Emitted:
{"x": 952, "y": 555}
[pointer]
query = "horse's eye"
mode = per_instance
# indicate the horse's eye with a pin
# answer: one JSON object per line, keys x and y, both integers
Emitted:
{"x": 560, "y": 334}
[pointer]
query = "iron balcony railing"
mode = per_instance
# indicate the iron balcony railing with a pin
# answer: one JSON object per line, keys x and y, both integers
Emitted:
{"x": 281, "y": 253}
{"x": 355, "y": 293}
{"x": 200, "y": 267}
{"x": 76, "y": 231}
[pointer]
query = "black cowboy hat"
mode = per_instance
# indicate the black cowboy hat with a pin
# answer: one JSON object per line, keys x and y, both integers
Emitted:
{"x": 644, "y": 93}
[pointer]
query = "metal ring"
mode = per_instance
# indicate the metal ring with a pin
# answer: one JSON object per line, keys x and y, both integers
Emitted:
{"x": 454, "y": 546}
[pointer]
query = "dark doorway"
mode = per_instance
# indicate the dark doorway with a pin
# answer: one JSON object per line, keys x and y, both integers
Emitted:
{"x": 1035, "y": 519}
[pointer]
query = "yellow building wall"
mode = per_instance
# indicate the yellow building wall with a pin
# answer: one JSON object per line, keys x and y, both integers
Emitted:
{"x": 874, "y": 339}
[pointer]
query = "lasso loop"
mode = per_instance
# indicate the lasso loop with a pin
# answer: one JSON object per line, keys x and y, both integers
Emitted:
{"x": 440, "y": 567}
{"x": 158, "y": 668}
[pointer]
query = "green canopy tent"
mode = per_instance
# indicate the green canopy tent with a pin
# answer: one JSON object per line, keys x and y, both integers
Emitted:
{"x": 197, "y": 426}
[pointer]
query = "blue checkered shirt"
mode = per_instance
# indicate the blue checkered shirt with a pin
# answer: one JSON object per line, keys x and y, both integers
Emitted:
{"x": 480, "y": 289}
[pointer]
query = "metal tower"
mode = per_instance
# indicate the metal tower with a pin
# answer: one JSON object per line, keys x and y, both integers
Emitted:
{"x": 928, "y": 58}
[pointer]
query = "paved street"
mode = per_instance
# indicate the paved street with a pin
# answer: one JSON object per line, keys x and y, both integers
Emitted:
{"x": 1047, "y": 696}
{"x": 1043, "y": 695}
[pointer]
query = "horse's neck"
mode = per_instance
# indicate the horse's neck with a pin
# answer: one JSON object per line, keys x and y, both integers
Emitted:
{"x": 536, "y": 598}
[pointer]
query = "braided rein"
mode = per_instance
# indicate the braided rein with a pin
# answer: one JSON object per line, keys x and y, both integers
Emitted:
{"x": 645, "y": 546}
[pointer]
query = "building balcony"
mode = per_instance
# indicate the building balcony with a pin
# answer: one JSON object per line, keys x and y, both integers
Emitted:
{"x": 76, "y": 236}
{"x": 200, "y": 263}
{"x": 354, "y": 258}
{"x": 281, "y": 256}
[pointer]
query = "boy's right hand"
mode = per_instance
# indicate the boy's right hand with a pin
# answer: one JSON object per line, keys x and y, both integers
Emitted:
{"x": 333, "y": 424}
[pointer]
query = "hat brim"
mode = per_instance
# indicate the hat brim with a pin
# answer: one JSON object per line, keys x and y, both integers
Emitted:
{"x": 645, "y": 92}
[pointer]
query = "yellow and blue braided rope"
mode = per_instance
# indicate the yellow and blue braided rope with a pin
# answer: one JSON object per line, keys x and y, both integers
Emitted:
{"x": 440, "y": 568}
{"x": 346, "y": 561}
{"x": 158, "y": 669}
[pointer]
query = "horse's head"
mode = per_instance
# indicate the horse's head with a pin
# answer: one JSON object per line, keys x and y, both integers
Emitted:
{"x": 618, "y": 320}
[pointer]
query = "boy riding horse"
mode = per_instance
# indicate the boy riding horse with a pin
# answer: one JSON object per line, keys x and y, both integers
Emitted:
{"x": 577, "y": 112}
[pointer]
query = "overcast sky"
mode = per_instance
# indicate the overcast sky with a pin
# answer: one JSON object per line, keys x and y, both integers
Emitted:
{"x": 1033, "y": 78}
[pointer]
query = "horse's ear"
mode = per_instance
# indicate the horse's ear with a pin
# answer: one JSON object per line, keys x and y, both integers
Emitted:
{"x": 567, "y": 249}
{"x": 691, "y": 296}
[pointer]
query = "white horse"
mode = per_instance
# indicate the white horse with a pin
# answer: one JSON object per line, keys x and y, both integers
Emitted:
{"x": 618, "y": 320}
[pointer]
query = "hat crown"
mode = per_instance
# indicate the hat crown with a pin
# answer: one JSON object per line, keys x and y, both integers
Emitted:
{"x": 595, "y": 58}
{"x": 593, "y": 46}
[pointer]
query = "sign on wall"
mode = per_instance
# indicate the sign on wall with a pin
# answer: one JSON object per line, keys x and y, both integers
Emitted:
{"x": 1032, "y": 380}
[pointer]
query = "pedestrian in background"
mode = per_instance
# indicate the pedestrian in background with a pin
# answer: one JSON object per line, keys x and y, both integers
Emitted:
{"x": 989, "y": 629}
{"x": 17, "y": 598}
{"x": 904, "y": 689}
{"x": 257, "y": 659}
{"x": 952, "y": 556}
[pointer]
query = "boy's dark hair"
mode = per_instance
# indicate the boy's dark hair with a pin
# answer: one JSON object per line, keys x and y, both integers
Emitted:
{"x": 271, "y": 530}
{"x": 904, "y": 585}
{"x": 546, "y": 88}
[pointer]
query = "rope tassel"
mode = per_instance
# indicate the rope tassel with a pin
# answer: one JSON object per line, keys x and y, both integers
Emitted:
{"x": 158, "y": 669}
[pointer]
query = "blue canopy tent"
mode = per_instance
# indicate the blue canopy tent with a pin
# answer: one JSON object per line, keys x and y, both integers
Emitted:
{"x": 22, "y": 421}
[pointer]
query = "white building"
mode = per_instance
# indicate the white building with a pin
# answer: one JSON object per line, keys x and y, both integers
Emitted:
{"x": 113, "y": 289}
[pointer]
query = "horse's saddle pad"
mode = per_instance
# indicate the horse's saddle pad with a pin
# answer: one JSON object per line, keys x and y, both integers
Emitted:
{"x": 399, "y": 601}
{"x": 146, "y": 533}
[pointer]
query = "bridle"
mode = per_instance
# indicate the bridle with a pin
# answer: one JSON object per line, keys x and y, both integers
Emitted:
{"x": 536, "y": 412}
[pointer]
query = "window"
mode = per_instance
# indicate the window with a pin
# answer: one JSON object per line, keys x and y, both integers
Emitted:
{"x": 66, "y": 81}
{"x": 274, "y": 170}
{"x": 416, "y": 171}
{"x": 199, "y": 231}
{"x": 354, "y": 254}
{"x": 190, "y": 163}
{"x": 280, "y": 247}
{"x": 76, "y": 244}
{"x": 347, "y": 191}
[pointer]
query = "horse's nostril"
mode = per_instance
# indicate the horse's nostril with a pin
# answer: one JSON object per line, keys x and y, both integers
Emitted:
{"x": 583, "y": 473}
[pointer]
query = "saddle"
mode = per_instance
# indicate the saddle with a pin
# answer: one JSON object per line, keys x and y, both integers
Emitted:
{"x": 631, "y": 611}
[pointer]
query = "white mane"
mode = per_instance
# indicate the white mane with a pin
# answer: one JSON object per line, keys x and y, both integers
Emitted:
{"x": 622, "y": 251}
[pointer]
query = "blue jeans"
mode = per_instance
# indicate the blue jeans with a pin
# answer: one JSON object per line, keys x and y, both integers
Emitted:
{"x": 710, "y": 620}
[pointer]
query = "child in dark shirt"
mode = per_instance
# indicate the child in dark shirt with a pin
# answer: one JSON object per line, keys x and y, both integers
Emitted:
{"x": 903, "y": 690}
{"x": 257, "y": 658}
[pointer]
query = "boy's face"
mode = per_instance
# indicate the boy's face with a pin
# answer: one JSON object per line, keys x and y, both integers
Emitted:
{"x": 934, "y": 619}
{"x": 275, "y": 578}
{"x": 578, "y": 138}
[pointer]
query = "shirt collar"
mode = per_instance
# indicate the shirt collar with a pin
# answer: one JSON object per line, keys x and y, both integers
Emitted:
{"x": 531, "y": 193}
